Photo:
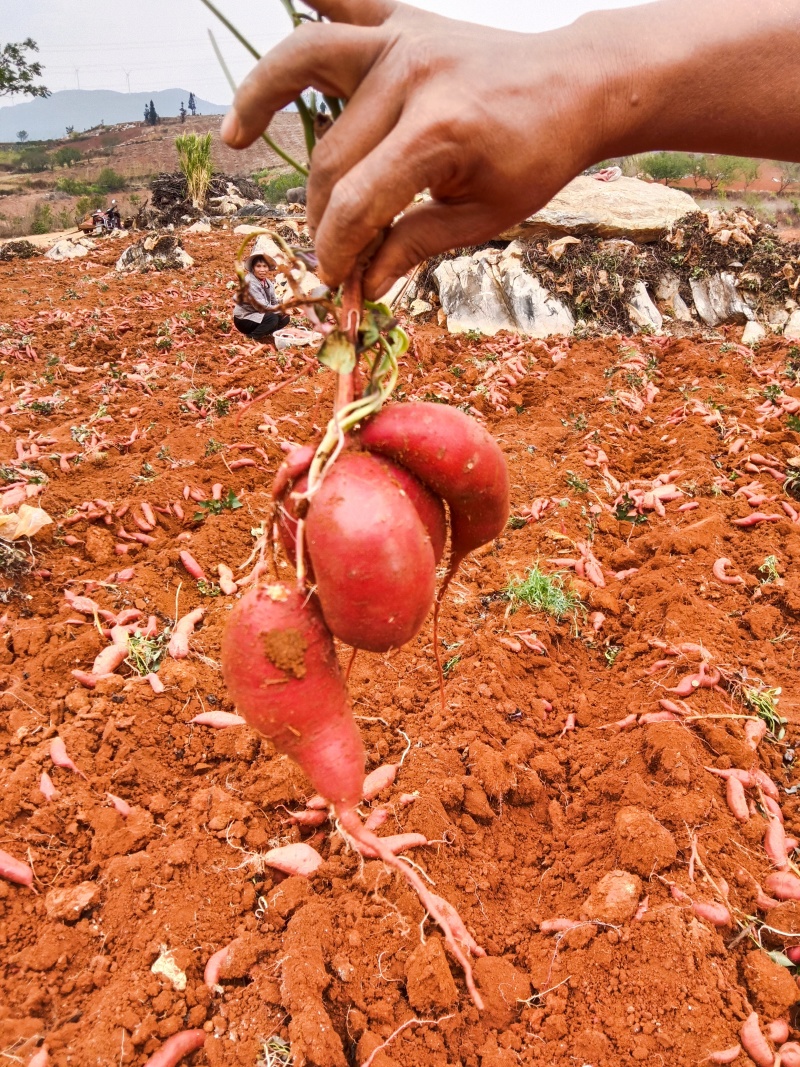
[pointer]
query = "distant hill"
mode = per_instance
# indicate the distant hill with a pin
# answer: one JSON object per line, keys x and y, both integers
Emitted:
{"x": 45, "y": 119}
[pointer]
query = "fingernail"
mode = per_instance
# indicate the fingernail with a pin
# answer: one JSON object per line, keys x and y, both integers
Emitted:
{"x": 230, "y": 130}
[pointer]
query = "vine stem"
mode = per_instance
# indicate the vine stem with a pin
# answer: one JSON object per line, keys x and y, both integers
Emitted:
{"x": 352, "y": 301}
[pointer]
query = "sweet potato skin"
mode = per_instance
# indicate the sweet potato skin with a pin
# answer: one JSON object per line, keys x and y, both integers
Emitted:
{"x": 373, "y": 560}
{"x": 454, "y": 456}
{"x": 280, "y": 668}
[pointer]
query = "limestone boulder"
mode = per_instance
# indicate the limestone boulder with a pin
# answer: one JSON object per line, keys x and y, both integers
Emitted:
{"x": 753, "y": 333}
{"x": 718, "y": 301}
{"x": 156, "y": 252}
{"x": 64, "y": 250}
{"x": 488, "y": 292}
{"x": 670, "y": 301}
{"x": 643, "y": 313}
{"x": 630, "y": 208}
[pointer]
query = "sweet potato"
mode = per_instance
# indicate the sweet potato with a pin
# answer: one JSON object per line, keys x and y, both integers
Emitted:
{"x": 374, "y": 563}
{"x": 281, "y": 670}
{"x": 454, "y": 456}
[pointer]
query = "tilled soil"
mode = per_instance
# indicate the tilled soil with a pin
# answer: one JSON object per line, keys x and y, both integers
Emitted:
{"x": 113, "y": 393}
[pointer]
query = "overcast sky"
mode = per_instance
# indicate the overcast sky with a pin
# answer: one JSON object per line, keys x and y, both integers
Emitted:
{"x": 147, "y": 45}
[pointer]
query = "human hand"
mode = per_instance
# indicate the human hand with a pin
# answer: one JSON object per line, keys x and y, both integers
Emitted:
{"x": 493, "y": 123}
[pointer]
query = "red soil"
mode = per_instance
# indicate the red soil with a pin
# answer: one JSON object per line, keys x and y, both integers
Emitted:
{"x": 525, "y": 822}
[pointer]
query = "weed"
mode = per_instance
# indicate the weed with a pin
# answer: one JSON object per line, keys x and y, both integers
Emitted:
{"x": 576, "y": 483}
{"x": 516, "y": 522}
{"x": 611, "y": 654}
{"x": 770, "y": 568}
{"x": 215, "y": 507}
{"x": 13, "y": 561}
{"x": 625, "y": 511}
{"x": 792, "y": 483}
{"x": 763, "y": 700}
{"x": 205, "y": 588}
{"x": 450, "y": 665}
{"x": 148, "y": 473}
{"x": 212, "y": 447}
{"x": 771, "y": 392}
{"x": 146, "y": 653}
{"x": 793, "y": 422}
{"x": 164, "y": 454}
{"x": 80, "y": 434}
{"x": 275, "y": 1052}
{"x": 581, "y": 423}
{"x": 543, "y": 592}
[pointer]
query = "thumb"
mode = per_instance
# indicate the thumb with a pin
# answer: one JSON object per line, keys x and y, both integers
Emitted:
{"x": 424, "y": 231}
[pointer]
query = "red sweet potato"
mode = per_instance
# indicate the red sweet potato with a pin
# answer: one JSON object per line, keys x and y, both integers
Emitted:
{"x": 454, "y": 456}
{"x": 281, "y": 671}
{"x": 373, "y": 560}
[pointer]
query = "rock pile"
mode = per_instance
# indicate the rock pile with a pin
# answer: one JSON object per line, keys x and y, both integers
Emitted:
{"x": 20, "y": 249}
{"x": 169, "y": 204}
{"x": 706, "y": 270}
{"x": 156, "y": 252}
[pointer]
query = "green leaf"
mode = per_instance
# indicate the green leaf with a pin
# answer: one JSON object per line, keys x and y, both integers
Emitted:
{"x": 780, "y": 959}
{"x": 338, "y": 353}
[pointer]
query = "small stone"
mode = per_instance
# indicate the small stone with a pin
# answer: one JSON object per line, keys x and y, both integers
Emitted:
{"x": 614, "y": 899}
{"x": 791, "y": 330}
{"x": 70, "y": 903}
{"x": 753, "y": 333}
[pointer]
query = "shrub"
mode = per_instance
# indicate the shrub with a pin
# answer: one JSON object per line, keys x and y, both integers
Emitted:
{"x": 274, "y": 188}
{"x": 109, "y": 181}
{"x": 194, "y": 154}
{"x": 34, "y": 160}
{"x": 42, "y": 220}
{"x": 66, "y": 156}
{"x": 73, "y": 186}
{"x": 87, "y": 204}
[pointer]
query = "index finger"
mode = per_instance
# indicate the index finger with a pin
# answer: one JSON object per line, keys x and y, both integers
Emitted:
{"x": 332, "y": 58}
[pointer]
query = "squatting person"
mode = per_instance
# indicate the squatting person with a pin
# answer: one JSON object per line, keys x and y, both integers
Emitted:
{"x": 259, "y": 314}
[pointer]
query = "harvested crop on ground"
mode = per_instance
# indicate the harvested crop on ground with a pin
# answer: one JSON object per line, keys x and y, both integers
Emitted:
{"x": 628, "y": 909}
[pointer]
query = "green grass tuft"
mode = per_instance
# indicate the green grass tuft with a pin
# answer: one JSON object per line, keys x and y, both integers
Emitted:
{"x": 544, "y": 592}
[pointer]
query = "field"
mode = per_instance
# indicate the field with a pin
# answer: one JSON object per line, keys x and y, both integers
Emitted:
{"x": 123, "y": 390}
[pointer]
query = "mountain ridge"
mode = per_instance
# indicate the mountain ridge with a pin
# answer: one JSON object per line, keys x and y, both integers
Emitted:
{"x": 47, "y": 118}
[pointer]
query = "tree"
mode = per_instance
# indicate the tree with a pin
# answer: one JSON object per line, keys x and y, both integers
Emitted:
{"x": 192, "y": 104}
{"x": 748, "y": 171}
{"x": 22, "y": 136}
{"x": 718, "y": 171}
{"x": 182, "y": 112}
{"x": 17, "y": 73}
{"x": 70, "y": 131}
{"x": 788, "y": 174}
{"x": 150, "y": 114}
{"x": 667, "y": 166}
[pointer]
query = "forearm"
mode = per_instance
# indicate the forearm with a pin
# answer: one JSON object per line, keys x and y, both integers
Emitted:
{"x": 700, "y": 75}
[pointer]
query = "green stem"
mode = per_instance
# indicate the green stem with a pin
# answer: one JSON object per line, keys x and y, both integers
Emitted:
{"x": 334, "y": 106}
{"x": 276, "y": 148}
{"x": 229, "y": 26}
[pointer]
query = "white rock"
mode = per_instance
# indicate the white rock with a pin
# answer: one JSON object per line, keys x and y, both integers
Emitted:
{"x": 64, "y": 249}
{"x": 753, "y": 333}
{"x": 488, "y": 292}
{"x": 718, "y": 301}
{"x": 791, "y": 330}
{"x": 642, "y": 311}
{"x": 246, "y": 227}
{"x": 641, "y": 211}
{"x": 535, "y": 310}
{"x": 669, "y": 296}
{"x": 419, "y": 307}
{"x": 470, "y": 292}
{"x": 201, "y": 226}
